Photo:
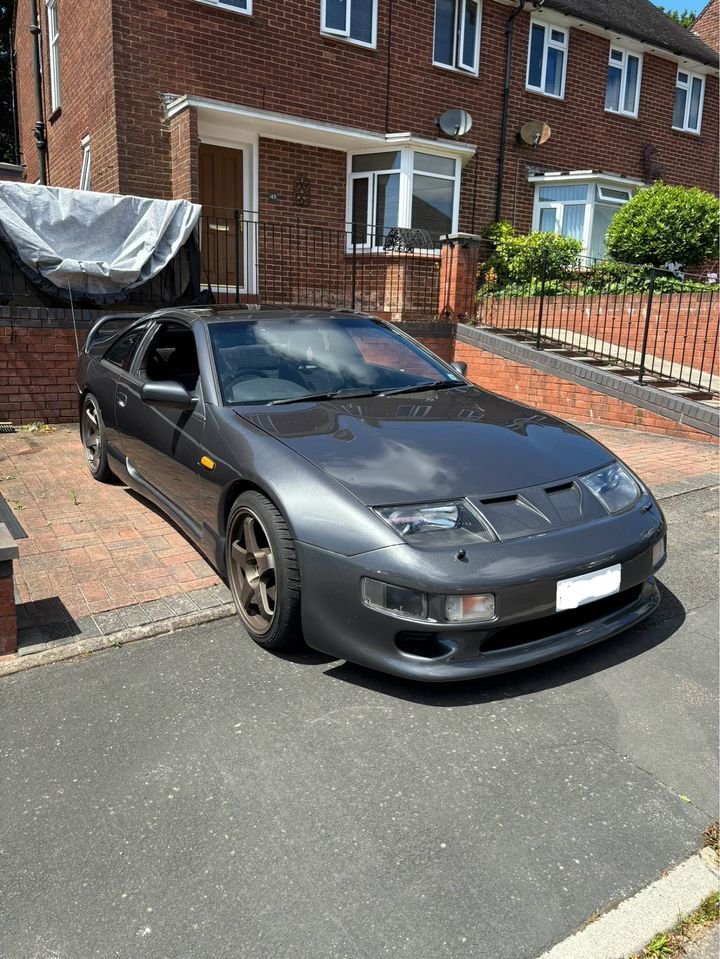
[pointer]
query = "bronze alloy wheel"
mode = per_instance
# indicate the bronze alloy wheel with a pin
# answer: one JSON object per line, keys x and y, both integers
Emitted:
{"x": 252, "y": 572}
{"x": 92, "y": 434}
{"x": 263, "y": 572}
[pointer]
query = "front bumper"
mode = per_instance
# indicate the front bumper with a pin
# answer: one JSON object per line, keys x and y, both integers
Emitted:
{"x": 523, "y": 576}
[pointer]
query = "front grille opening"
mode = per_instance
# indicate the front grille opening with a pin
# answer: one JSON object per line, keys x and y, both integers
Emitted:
{"x": 424, "y": 645}
{"x": 533, "y": 631}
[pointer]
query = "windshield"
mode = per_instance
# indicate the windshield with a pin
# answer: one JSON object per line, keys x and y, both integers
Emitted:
{"x": 283, "y": 360}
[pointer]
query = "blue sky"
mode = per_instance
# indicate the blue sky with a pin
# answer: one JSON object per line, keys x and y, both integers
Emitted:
{"x": 694, "y": 5}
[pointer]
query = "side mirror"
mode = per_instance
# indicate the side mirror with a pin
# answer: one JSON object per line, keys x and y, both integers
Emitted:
{"x": 170, "y": 394}
{"x": 460, "y": 366}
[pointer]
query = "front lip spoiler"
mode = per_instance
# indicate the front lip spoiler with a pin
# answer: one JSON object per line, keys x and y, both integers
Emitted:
{"x": 447, "y": 669}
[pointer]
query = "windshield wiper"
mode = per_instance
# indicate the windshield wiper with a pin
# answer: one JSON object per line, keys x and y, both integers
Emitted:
{"x": 420, "y": 387}
{"x": 349, "y": 393}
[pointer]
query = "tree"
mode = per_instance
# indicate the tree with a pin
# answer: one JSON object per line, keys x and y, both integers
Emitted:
{"x": 685, "y": 19}
{"x": 7, "y": 123}
{"x": 666, "y": 224}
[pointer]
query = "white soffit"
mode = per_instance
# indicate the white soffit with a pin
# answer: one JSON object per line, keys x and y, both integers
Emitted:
{"x": 228, "y": 122}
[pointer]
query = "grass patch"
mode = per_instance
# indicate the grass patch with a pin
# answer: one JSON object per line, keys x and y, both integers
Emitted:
{"x": 672, "y": 944}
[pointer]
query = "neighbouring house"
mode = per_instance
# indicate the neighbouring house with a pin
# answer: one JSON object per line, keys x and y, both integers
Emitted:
{"x": 325, "y": 112}
{"x": 707, "y": 25}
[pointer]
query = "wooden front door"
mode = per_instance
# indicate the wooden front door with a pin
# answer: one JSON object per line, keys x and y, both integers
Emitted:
{"x": 222, "y": 197}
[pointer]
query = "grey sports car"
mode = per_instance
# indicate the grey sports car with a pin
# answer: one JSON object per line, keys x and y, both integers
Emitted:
{"x": 360, "y": 493}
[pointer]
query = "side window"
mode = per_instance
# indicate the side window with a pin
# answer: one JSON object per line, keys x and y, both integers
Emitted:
{"x": 122, "y": 351}
{"x": 171, "y": 355}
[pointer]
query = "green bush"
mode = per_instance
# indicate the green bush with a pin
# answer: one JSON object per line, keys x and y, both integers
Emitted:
{"x": 523, "y": 259}
{"x": 666, "y": 224}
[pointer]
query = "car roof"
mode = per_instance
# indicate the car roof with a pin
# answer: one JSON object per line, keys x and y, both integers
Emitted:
{"x": 234, "y": 312}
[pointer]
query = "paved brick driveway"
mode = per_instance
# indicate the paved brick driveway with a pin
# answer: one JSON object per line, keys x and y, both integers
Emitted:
{"x": 98, "y": 559}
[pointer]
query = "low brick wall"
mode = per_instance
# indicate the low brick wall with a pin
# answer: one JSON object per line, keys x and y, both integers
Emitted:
{"x": 8, "y": 615}
{"x": 563, "y": 397}
{"x": 683, "y": 328}
{"x": 38, "y": 354}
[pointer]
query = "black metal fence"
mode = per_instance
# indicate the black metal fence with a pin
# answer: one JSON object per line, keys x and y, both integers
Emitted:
{"x": 660, "y": 326}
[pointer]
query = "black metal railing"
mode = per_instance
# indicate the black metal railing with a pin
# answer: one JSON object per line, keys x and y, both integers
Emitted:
{"x": 660, "y": 326}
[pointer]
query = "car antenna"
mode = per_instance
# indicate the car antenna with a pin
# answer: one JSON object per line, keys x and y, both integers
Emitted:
{"x": 72, "y": 310}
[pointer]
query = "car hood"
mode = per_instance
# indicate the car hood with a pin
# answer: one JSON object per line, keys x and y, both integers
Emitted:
{"x": 429, "y": 446}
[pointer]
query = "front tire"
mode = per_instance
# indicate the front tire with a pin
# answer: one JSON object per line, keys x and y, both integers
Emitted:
{"x": 94, "y": 439}
{"x": 263, "y": 572}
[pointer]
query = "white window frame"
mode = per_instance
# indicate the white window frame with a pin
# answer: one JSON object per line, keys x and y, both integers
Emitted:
{"x": 53, "y": 54}
{"x": 459, "y": 39}
{"x": 548, "y": 42}
{"x": 594, "y": 194}
{"x": 86, "y": 168}
{"x": 344, "y": 34}
{"x": 223, "y": 5}
{"x": 623, "y": 68}
{"x": 405, "y": 194}
{"x": 687, "y": 86}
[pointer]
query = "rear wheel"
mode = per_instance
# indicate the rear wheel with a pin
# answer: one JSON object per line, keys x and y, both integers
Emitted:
{"x": 263, "y": 572}
{"x": 94, "y": 439}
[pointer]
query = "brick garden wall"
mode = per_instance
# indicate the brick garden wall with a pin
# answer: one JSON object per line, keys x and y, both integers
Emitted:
{"x": 563, "y": 397}
{"x": 683, "y": 328}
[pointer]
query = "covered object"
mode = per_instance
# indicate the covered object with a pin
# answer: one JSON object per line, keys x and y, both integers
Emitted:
{"x": 97, "y": 247}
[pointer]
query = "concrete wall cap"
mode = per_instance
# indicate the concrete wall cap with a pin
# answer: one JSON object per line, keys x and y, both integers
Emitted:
{"x": 8, "y": 548}
{"x": 467, "y": 239}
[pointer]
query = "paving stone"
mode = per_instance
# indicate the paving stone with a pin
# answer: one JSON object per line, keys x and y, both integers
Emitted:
{"x": 30, "y": 636}
{"x": 157, "y": 610}
{"x": 205, "y": 598}
{"x": 111, "y": 622}
{"x": 87, "y": 626}
{"x": 221, "y": 593}
{"x": 28, "y": 650}
{"x": 181, "y": 604}
{"x": 133, "y": 615}
{"x": 60, "y": 631}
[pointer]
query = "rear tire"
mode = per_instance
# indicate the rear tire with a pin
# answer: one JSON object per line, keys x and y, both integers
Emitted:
{"x": 263, "y": 572}
{"x": 94, "y": 439}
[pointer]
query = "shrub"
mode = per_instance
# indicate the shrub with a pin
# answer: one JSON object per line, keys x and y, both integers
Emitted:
{"x": 666, "y": 224}
{"x": 522, "y": 259}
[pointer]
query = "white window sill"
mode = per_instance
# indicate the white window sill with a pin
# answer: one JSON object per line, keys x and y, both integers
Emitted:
{"x": 343, "y": 39}
{"x": 463, "y": 71}
{"x": 226, "y": 7}
{"x": 622, "y": 113}
{"x": 693, "y": 133}
{"x": 542, "y": 93}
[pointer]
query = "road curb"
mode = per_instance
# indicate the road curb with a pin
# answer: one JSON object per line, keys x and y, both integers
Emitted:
{"x": 94, "y": 644}
{"x": 627, "y": 928}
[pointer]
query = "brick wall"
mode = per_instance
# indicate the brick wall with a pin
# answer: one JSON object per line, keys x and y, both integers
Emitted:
{"x": 707, "y": 25}
{"x": 563, "y": 397}
{"x": 278, "y": 60}
{"x": 87, "y": 93}
{"x": 8, "y": 616}
{"x": 683, "y": 329}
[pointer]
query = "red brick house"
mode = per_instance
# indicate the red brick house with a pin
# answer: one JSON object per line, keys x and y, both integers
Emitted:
{"x": 325, "y": 111}
{"x": 707, "y": 25}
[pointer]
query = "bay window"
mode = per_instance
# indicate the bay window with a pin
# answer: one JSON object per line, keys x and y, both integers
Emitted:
{"x": 457, "y": 34}
{"x": 581, "y": 210}
{"x": 354, "y": 20}
{"x": 406, "y": 188}
{"x": 622, "y": 93}
{"x": 689, "y": 94}
{"x": 547, "y": 59}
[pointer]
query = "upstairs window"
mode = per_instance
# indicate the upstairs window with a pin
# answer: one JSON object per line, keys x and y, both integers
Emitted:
{"x": 689, "y": 94}
{"x": 547, "y": 59}
{"x": 53, "y": 54}
{"x": 457, "y": 34}
{"x": 242, "y": 6}
{"x": 402, "y": 188}
{"x": 622, "y": 93}
{"x": 355, "y": 20}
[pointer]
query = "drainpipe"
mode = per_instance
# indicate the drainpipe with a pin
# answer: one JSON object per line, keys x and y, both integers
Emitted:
{"x": 506, "y": 99}
{"x": 389, "y": 67}
{"x": 40, "y": 140}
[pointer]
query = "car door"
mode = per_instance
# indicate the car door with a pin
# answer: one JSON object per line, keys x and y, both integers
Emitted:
{"x": 162, "y": 446}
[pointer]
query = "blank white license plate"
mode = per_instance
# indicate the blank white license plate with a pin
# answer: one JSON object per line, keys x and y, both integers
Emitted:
{"x": 579, "y": 590}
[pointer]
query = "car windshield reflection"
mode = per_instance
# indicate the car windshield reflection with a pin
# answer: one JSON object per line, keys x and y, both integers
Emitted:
{"x": 274, "y": 361}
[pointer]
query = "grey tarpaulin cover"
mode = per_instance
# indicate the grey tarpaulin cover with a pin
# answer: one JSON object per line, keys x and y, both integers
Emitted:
{"x": 98, "y": 243}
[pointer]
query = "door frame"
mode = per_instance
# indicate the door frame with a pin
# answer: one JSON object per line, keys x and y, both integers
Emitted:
{"x": 249, "y": 148}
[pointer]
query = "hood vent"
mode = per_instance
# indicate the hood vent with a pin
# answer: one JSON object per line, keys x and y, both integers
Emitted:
{"x": 513, "y": 516}
{"x": 567, "y": 502}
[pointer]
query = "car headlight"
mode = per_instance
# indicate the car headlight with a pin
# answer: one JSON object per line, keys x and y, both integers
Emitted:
{"x": 614, "y": 487}
{"x": 457, "y": 520}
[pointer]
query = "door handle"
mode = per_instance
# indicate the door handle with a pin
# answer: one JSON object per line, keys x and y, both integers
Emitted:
{"x": 122, "y": 399}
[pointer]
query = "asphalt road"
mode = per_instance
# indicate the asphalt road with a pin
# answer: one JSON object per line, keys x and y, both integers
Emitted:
{"x": 193, "y": 796}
